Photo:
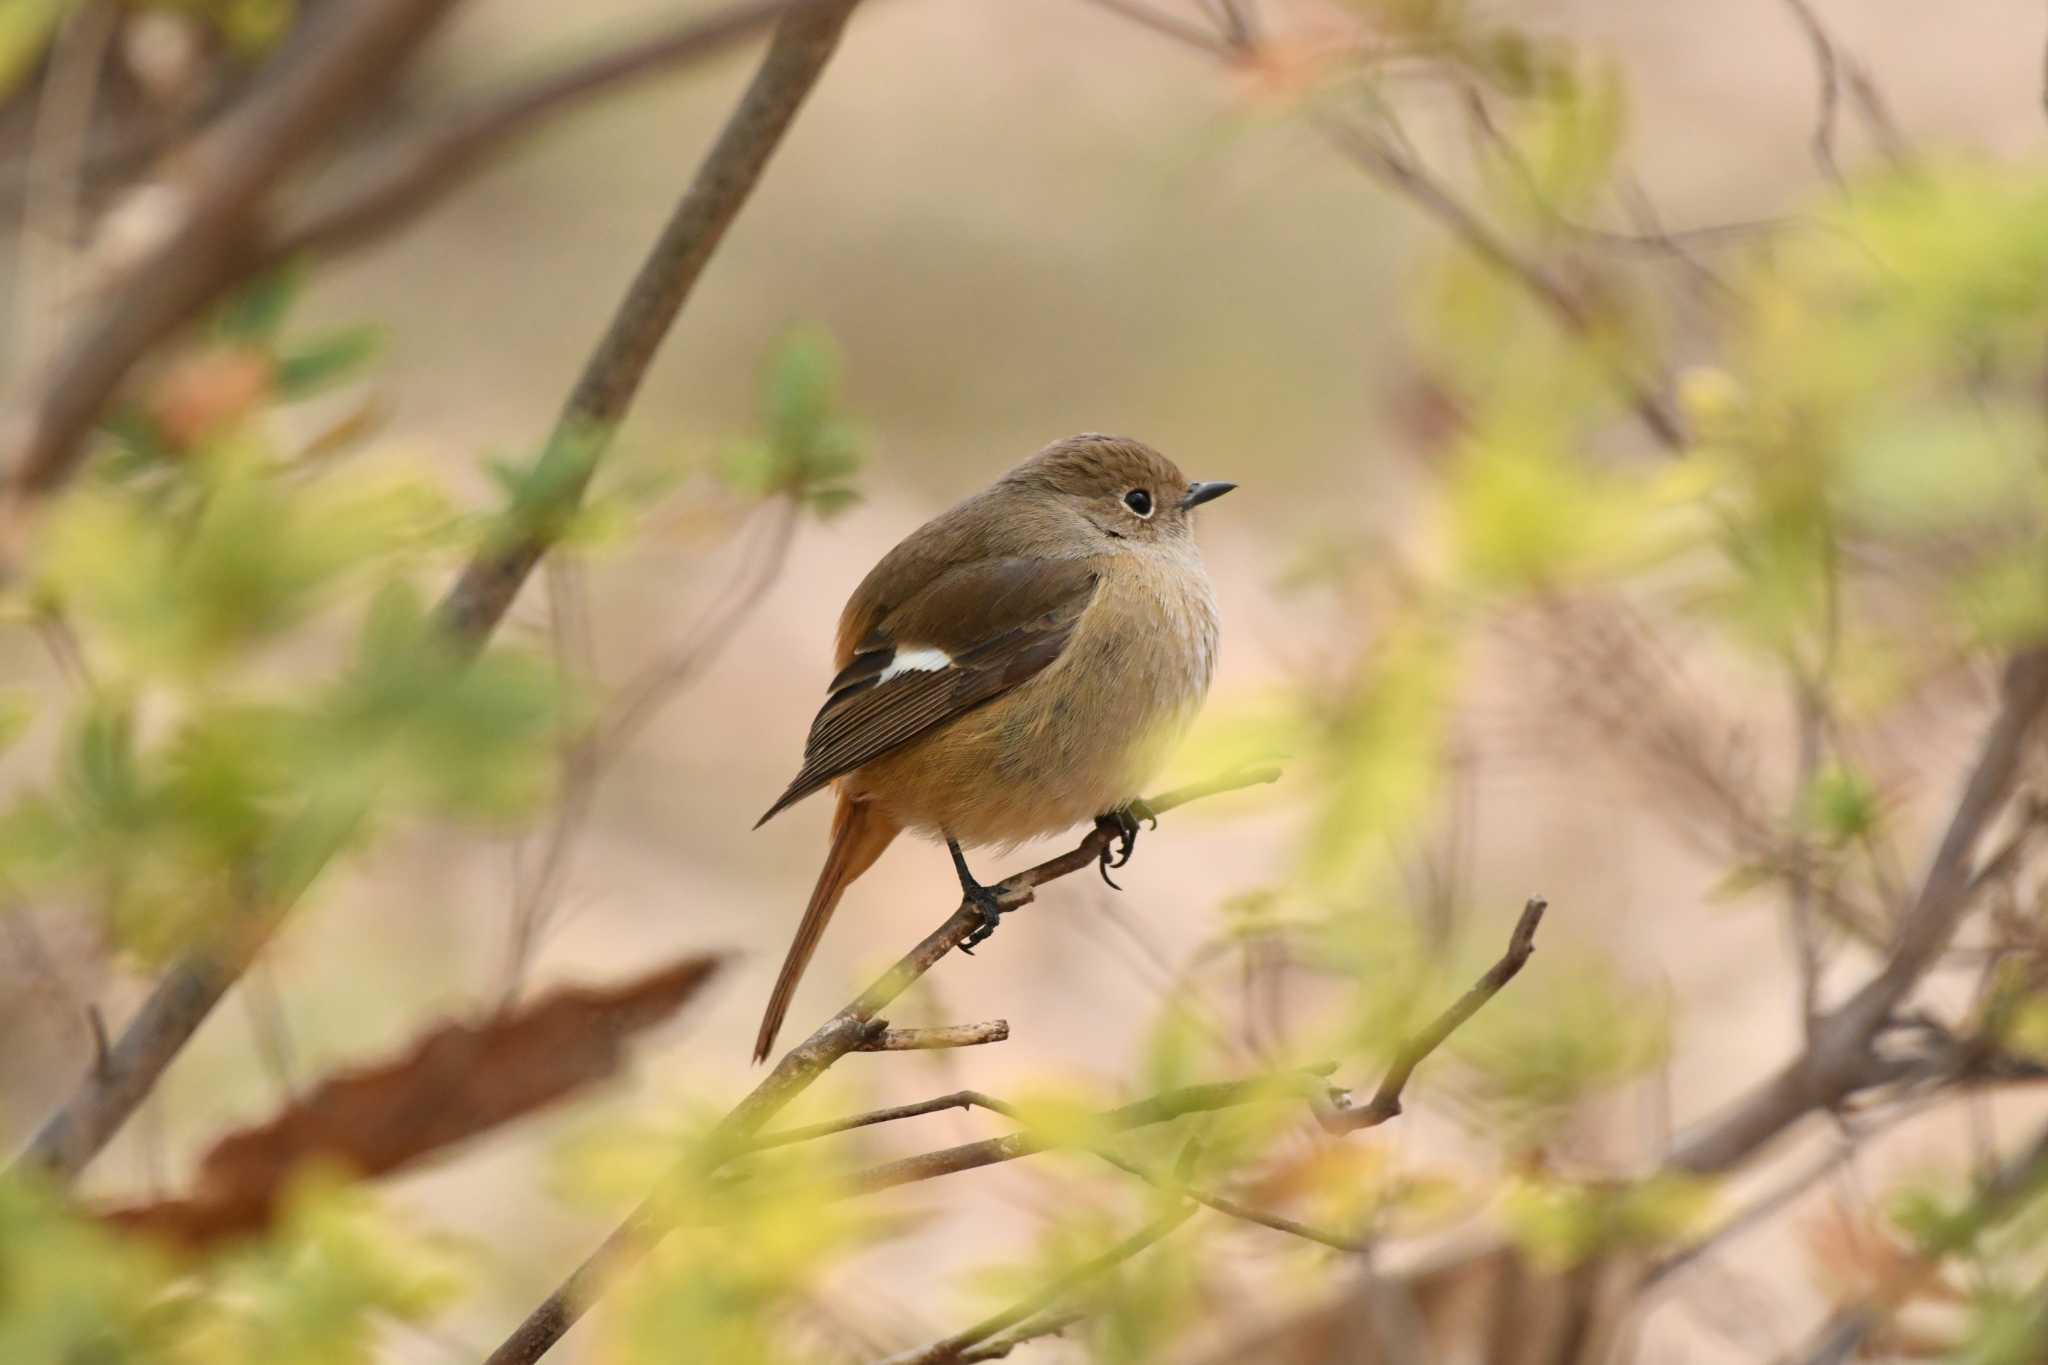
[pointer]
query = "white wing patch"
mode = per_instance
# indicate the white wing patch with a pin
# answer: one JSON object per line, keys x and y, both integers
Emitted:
{"x": 921, "y": 660}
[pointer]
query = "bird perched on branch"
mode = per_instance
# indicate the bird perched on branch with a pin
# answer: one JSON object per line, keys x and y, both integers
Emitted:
{"x": 1018, "y": 665}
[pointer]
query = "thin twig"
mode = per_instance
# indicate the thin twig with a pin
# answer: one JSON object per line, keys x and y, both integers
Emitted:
{"x": 1172, "y": 26}
{"x": 923, "y": 1039}
{"x": 959, "y": 1099}
{"x": 949, "y": 1350}
{"x": 1827, "y": 66}
{"x": 1407, "y": 177}
{"x": 1386, "y": 1101}
{"x": 947, "y": 1162}
{"x": 586, "y": 757}
{"x": 1000, "y": 1346}
{"x": 1810, "y": 719}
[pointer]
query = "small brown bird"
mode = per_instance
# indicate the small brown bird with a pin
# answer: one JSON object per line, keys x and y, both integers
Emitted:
{"x": 1019, "y": 664}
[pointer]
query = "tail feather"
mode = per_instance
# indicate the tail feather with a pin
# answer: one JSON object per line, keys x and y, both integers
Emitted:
{"x": 859, "y": 834}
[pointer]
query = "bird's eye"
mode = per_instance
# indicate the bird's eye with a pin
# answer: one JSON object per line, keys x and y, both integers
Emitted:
{"x": 1139, "y": 501}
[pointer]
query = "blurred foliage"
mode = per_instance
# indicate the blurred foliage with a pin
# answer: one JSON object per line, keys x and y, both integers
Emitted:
{"x": 317, "y": 1292}
{"x": 259, "y": 685}
{"x": 807, "y": 450}
{"x": 1859, "y": 509}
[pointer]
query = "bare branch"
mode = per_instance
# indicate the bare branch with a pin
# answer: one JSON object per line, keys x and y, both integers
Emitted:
{"x": 945, "y": 1163}
{"x": 959, "y": 1099}
{"x": 473, "y": 607}
{"x": 445, "y": 156}
{"x": 885, "y": 1039}
{"x": 1827, "y": 66}
{"x": 1386, "y": 1101}
{"x": 1232, "y": 1208}
{"x": 1164, "y": 1107}
{"x": 1172, "y": 26}
{"x": 808, "y": 1060}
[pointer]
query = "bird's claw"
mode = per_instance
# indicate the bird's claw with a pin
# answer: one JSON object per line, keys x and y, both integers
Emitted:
{"x": 1122, "y": 825}
{"x": 986, "y": 901}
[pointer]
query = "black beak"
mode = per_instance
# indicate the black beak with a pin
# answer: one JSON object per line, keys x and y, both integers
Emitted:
{"x": 1209, "y": 491}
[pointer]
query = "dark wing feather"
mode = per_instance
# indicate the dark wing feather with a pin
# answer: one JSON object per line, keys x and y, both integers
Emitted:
{"x": 1000, "y": 621}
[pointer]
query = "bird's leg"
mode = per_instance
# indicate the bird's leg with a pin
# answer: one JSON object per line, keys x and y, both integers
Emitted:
{"x": 1122, "y": 825}
{"x": 983, "y": 898}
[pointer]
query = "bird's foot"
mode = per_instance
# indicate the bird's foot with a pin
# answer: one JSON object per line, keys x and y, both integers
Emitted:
{"x": 982, "y": 898}
{"x": 1121, "y": 824}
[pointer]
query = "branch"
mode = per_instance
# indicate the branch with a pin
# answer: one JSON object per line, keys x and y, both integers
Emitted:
{"x": 882, "y": 1038}
{"x": 949, "y": 1350}
{"x": 1408, "y": 179}
{"x": 1164, "y": 1107}
{"x": 206, "y": 221}
{"x": 1838, "y": 1060}
{"x": 1828, "y": 67}
{"x": 1386, "y": 1101}
{"x": 1397, "y": 172}
{"x": 946, "y": 1163}
{"x": 480, "y": 597}
{"x": 442, "y": 158}
{"x": 996, "y": 1348}
{"x": 808, "y": 1060}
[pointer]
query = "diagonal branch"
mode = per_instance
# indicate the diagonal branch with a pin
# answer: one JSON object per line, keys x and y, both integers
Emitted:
{"x": 1397, "y": 171}
{"x": 1838, "y": 1060}
{"x": 1386, "y": 1101}
{"x": 950, "y": 1349}
{"x": 810, "y": 1059}
{"x": 481, "y": 596}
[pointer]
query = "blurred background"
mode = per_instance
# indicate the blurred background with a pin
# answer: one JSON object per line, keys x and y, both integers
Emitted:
{"x": 1016, "y": 222}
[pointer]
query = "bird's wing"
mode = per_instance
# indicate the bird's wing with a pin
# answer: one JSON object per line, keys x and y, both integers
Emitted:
{"x": 970, "y": 634}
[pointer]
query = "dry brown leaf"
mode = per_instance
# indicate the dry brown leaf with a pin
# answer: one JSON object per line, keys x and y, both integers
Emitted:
{"x": 457, "y": 1082}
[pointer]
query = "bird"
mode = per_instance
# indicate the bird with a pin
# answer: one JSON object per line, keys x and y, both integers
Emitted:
{"x": 1018, "y": 665}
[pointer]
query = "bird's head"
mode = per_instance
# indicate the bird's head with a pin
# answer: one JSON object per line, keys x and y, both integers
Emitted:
{"x": 1124, "y": 488}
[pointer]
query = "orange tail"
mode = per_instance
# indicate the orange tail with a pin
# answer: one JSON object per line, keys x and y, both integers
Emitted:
{"x": 859, "y": 834}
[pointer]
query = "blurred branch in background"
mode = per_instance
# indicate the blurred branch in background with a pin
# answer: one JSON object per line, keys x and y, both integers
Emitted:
{"x": 1841, "y": 1060}
{"x": 436, "y": 159}
{"x": 1383, "y": 158}
{"x": 484, "y": 591}
{"x": 196, "y": 234}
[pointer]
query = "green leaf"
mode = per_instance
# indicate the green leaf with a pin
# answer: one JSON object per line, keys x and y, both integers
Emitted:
{"x": 256, "y": 312}
{"x": 307, "y": 368}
